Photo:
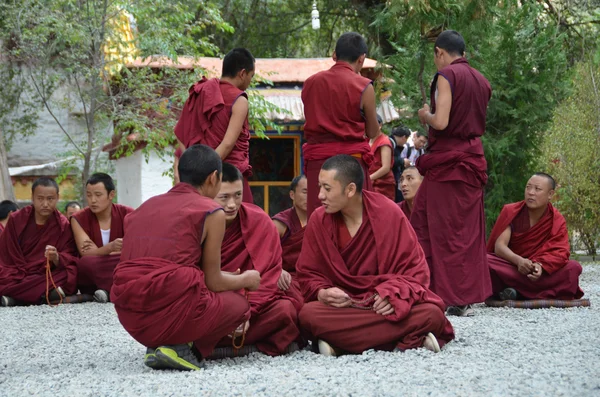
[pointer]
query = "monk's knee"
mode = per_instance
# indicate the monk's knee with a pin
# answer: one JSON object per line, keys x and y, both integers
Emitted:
{"x": 433, "y": 316}
{"x": 236, "y": 305}
{"x": 574, "y": 267}
{"x": 308, "y": 314}
{"x": 287, "y": 311}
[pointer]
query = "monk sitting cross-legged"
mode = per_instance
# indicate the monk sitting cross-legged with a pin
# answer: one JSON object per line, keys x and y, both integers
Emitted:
{"x": 7, "y": 207}
{"x": 410, "y": 180}
{"x": 290, "y": 225}
{"x": 364, "y": 273}
{"x": 168, "y": 290}
{"x": 529, "y": 248}
{"x": 251, "y": 242}
{"x": 98, "y": 231}
{"x": 35, "y": 237}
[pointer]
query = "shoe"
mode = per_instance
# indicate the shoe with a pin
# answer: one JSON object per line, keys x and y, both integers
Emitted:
{"x": 150, "y": 360}
{"x": 508, "y": 294}
{"x": 101, "y": 296}
{"x": 327, "y": 350}
{"x": 460, "y": 311}
{"x": 230, "y": 352}
{"x": 7, "y": 301}
{"x": 56, "y": 294}
{"x": 430, "y": 343}
{"x": 178, "y": 357}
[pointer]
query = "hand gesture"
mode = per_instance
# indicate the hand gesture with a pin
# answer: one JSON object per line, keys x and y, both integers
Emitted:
{"x": 525, "y": 266}
{"x": 52, "y": 254}
{"x": 285, "y": 280}
{"x": 87, "y": 245}
{"x": 536, "y": 273}
{"x": 252, "y": 278}
{"x": 334, "y": 297}
{"x": 383, "y": 306}
{"x": 116, "y": 245}
{"x": 423, "y": 112}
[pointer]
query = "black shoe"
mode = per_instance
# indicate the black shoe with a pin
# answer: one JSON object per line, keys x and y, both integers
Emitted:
{"x": 508, "y": 294}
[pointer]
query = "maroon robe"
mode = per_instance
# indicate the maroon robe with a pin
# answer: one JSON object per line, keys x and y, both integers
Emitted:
{"x": 547, "y": 243}
{"x": 448, "y": 214}
{"x": 404, "y": 207}
{"x": 291, "y": 244}
{"x": 1, "y": 228}
{"x": 383, "y": 257}
{"x": 22, "y": 260}
{"x": 159, "y": 291}
{"x": 334, "y": 123}
{"x": 205, "y": 118}
{"x": 251, "y": 242}
{"x": 96, "y": 272}
{"x": 385, "y": 185}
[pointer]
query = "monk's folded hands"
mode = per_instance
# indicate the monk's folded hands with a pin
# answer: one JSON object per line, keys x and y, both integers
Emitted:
{"x": 334, "y": 297}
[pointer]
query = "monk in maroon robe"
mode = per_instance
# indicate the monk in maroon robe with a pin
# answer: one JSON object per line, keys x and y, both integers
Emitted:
{"x": 381, "y": 167}
{"x": 410, "y": 181}
{"x": 363, "y": 273}
{"x": 339, "y": 109}
{"x": 529, "y": 248}
{"x": 290, "y": 225}
{"x": 37, "y": 236}
{"x": 7, "y": 207}
{"x": 216, "y": 114}
{"x": 98, "y": 231}
{"x": 169, "y": 290}
{"x": 448, "y": 214}
{"x": 251, "y": 242}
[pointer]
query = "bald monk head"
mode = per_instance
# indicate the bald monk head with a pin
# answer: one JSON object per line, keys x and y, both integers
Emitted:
{"x": 100, "y": 192}
{"x": 72, "y": 207}
{"x": 351, "y": 48}
{"x": 298, "y": 193}
{"x": 449, "y": 46}
{"x": 231, "y": 193}
{"x": 44, "y": 197}
{"x": 410, "y": 180}
{"x": 6, "y": 207}
{"x": 238, "y": 68}
{"x": 201, "y": 167}
{"x": 340, "y": 184}
{"x": 539, "y": 191}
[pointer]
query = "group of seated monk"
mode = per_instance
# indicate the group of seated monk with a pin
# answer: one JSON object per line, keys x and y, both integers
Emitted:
{"x": 198, "y": 273}
{"x": 45, "y": 256}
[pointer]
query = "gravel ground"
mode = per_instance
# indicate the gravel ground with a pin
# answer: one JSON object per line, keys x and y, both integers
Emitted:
{"x": 82, "y": 350}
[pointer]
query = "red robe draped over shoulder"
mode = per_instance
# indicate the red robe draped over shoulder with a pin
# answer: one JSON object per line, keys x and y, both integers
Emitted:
{"x": 22, "y": 260}
{"x": 291, "y": 244}
{"x": 383, "y": 257}
{"x": 385, "y": 185}
{"x": 97, "y": 271}
{"x": 546, "y": 243}
{"x": 404, "y": 207}
{"x": 1, "y": 228}
{"x": 159, "y": 291}
{"x": 251, "y": 242}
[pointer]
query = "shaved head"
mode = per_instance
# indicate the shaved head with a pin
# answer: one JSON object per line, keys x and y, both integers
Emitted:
{"x": 347, "y": 170}
{"x": 551, "y": 181}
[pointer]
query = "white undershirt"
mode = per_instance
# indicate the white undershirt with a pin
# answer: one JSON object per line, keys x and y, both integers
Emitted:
{"x": 105, "y": 236}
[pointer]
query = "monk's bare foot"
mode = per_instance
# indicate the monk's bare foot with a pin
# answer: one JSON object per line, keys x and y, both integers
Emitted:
{"x": 430, "y": 343}
{"x": 327, "y": 350}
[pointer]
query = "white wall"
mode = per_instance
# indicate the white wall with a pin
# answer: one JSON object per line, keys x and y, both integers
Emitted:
{"x": 139, "y": 180}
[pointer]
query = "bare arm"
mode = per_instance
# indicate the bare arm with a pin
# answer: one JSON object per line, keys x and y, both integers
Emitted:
{"x": 216, "y": 280}
{"x": 239, "y": 112}
{"x": 369, "y": 107}
{"x": 85, "y": 245}
{"x": 501, "y": 249}
{"x": 443, "y": 103}
{"x": 281, "y": 227}
{"x": 386, "y": 160}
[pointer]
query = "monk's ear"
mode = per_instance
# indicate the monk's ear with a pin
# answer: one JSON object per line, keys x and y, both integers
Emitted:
{"x": 292, "y": 195}
{"x": 334, "y": 56}
{"x": 550, "y": 194}
{"x": 361, "y": 59}
{"x": 111, "y": 195}
{"x": 351, "y": 189}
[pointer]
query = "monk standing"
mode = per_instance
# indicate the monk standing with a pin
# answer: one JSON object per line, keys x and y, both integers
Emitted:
{"x": 363, "y": 273}
{"x": 7, "y": 207}
{"x": 339, "y": 109}
{"x": 36, "y": 237}
{"x": 382, "y": 175}
{"x": 529, "y": 248}
{"x": 410, "y": 181}
{"x": 98, "y": 231}
{"x": 448, "y": 215}
{"x": 169, "y": 290}
{"x": 290, "y": 225}
{"x": 216, "y": 114}
{"x": 251, "y": 242}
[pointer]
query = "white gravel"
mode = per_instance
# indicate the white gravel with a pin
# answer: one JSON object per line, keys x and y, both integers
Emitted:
{"x": 82, "y": 350}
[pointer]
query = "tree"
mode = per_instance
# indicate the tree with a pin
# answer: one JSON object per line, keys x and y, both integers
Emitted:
{"x": 571, "y": 153}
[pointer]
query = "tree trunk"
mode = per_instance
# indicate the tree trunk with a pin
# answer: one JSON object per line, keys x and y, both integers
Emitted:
{"x": 6, "y": 188}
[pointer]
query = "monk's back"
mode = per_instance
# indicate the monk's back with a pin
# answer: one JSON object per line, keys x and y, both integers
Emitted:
{"x": 332, "y": 105}
{"x": 168, "y": 226}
